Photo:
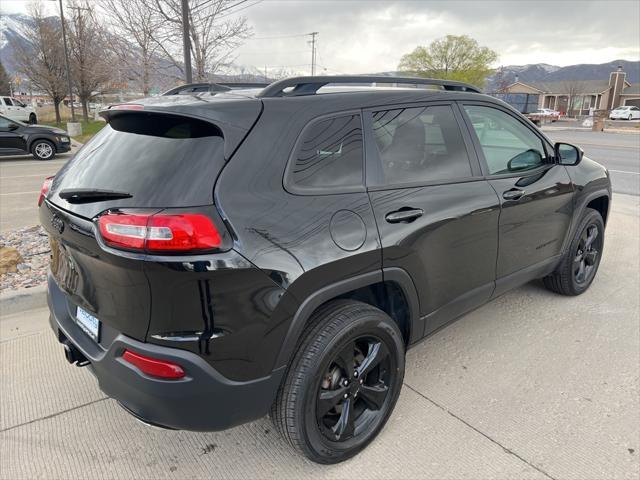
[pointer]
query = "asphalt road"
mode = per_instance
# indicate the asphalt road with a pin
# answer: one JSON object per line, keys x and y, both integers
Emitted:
{"x": 21, "y": 177}
{"x": 532, "y": 385}
{"x": 20, "y": 180}
{"x": 619, "y": 152}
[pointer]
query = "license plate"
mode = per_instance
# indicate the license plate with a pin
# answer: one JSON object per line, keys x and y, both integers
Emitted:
{"x": 88, "y": 323}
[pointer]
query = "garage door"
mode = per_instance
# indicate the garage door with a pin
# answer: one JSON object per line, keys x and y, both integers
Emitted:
{"x": 635, "y": 102}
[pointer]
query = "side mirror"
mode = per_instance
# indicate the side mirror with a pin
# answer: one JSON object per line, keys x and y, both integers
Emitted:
{"x": 526, "y": 160}
{"x": 567, "y": 154}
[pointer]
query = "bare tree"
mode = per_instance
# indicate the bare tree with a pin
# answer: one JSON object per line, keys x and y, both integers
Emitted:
{"x": 5, "y": 89}
{"x": 501, "y": 81}
{"x": 41, "y": 59}
{"x": 573, "y": 89}
{"x": 213, "y": 30}
{"x": 90, "y": 59}
{"x": 136, "y": 24}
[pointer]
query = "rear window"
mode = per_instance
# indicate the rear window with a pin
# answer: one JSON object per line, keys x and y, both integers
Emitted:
{"x": 160, "y": 160}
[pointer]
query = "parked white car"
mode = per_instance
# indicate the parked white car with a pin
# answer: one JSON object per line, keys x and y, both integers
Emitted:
{"x": 549, "y": 113}
{"x": 16, "y": 110}
{"x": 627, "y": 112}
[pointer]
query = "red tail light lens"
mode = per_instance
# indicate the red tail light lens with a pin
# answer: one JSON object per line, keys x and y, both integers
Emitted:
{"x": 153, "y": 366}
{"x": 159, "y": 233}
{"x": 46, "y": 185}
{"x": 126, "y": 106}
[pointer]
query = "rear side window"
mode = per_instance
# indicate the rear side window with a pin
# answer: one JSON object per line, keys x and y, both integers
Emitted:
{"x": 420, "y": 144}
{"x": 7, "y": 101}
{"x": 161, "y": 160}
{"x": 329, "y": 155}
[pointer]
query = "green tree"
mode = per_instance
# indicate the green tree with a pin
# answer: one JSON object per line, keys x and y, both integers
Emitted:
{"x": 4, "y": 81}
{"x": 452, "y": 58}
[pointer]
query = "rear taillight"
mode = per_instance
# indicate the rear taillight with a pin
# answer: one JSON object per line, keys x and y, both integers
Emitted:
{"x": 159, "y": 233}
{"x": 126, "y": 106}
{"x": 46, "y": 185}
{"x": 153, "y": 366}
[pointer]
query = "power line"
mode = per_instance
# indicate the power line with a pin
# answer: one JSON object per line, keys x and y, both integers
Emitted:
{"x": 279, "y": 36}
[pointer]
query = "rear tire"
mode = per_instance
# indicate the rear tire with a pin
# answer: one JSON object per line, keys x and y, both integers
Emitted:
{"x": 580, "y": 264}
{"x": 33, "y": 119}
{"x": 342, "y": 383}
{"x": 43, "y": 150}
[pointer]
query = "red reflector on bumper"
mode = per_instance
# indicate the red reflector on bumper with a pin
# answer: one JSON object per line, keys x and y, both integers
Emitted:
{"x": 153, "y": 366}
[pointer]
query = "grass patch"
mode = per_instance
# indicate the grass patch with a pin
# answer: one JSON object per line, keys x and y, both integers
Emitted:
{"x": 89, "y": 129}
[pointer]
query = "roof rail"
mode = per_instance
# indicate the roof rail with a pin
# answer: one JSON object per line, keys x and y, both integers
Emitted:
{"x": 310, "y": 85}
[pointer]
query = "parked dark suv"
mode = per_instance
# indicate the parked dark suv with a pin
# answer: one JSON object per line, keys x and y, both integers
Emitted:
{"x": 221, "y": 257}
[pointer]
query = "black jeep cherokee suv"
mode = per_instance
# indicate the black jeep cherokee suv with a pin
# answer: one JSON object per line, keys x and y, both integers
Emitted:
{"x": 216, "y": 258}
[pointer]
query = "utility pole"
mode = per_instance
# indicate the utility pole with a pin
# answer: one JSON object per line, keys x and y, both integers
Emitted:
{"x": 313, "y": 52}
{"x": 186, "y": 42}
{"x": 66, "y": 61}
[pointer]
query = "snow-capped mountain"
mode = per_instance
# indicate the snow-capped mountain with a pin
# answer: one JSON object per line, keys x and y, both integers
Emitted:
{"x": 13, "y": 29}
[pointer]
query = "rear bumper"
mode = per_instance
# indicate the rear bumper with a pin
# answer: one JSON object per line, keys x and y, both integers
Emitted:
{"x": 203, "y": 400}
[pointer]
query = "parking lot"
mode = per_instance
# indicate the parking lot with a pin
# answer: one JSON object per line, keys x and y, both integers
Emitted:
{"x": 533, "y": 385}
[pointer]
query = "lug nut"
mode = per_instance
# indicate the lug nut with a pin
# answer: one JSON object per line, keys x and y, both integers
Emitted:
{"x": 361, "y": 381}
{"x": 345, "y": 383}
{"x": 355, "y": 374}
{"x": 346, "y": 395}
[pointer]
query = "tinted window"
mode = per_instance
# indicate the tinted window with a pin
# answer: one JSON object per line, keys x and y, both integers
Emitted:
{"x": 507, "y": 144}
{"x": 7, "y": 101}
{"x": 5, "y": 122}
{"x": 421, "y": 144}
{"x": 161, "y": 160}
{"x": 330, "y": 154}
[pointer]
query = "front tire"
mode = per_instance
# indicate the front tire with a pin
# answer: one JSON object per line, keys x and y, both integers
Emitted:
{"x": 43, "y": 150}
{"x": 581, "y": 262}
{"x": 343, "y": 382}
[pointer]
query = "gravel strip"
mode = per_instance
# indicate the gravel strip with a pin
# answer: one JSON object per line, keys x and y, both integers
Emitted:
{"x": 33, "y": 245}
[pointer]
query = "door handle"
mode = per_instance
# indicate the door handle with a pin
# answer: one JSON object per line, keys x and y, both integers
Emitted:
{"x": 513, "y": 194}
{"x": 404, "y": 215}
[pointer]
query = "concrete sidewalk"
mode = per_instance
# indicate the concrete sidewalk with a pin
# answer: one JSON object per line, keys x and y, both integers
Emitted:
{"x": 533, "y": 385}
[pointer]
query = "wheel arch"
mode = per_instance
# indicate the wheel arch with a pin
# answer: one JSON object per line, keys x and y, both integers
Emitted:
{"x": 391, "y": 290}
{"x": 33, "y": 140}
{"x": 599, "y": 200}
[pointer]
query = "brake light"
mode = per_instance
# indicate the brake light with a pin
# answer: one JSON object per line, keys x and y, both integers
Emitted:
{"x": 127, "y": 106}
{"x": 159, "y": 233}
{"x": 153, "y": 366}
{"x": 44, "y": 190}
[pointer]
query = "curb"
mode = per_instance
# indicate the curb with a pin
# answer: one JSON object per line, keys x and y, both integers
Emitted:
{"x": 22, "y": 300}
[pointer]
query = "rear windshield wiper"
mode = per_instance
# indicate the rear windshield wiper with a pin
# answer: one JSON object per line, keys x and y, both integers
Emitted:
{"x": 88, "y": 195}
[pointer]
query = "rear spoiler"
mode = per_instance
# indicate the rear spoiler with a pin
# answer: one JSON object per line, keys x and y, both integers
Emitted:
{"x": 234, "y": 118}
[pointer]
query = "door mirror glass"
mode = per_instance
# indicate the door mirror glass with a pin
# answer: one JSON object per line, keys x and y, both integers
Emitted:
{"x": 567, "y": 154}
{"x": 527, "y": 160}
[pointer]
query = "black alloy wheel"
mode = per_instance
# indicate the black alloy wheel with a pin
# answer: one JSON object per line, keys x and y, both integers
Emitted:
{"x": 587, "y": 255}
{"x": 354, "y": 389}
{"x": 580, "y": 264}
{"x": 343, "y": 382}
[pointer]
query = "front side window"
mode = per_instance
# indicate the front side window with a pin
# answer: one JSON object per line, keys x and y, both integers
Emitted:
{"x": 508, "y": 146}
{"x": 420, "y": 144}
{"x": 329, "y": 154}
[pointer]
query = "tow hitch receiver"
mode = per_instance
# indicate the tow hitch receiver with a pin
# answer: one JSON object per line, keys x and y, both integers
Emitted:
{"x": 73, "y": 355}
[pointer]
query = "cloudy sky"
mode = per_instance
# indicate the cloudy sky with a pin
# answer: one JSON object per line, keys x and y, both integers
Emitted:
{"x": 362, "y": 36}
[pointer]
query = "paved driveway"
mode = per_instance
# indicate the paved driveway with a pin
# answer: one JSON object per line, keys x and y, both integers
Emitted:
{"x": 533, "y": 385}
